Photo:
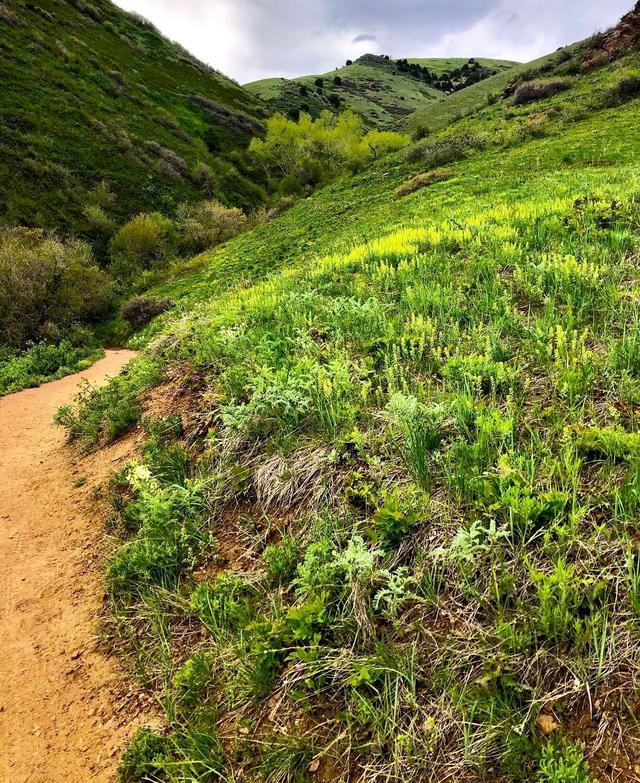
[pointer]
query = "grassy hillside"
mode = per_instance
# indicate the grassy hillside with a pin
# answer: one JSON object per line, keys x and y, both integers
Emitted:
{"x": 372, "y": 87}
{"x": 389, "y": 531}
{"x": 474, "y": 97}
{"x": 90, "y": 93}
{"x": 440, "y": 65}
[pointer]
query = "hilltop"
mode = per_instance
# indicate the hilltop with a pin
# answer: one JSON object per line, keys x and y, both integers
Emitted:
{"x": 379, "y": 89}
{"x": 91, "y": 93}
{"x": 384, "y": 520}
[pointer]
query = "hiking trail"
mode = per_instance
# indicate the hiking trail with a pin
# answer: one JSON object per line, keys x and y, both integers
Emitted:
{"x": 66, "y": 710}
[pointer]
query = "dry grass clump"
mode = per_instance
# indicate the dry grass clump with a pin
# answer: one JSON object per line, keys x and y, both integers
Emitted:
{"x": 423, "y": 181}
{"x": 537, "y": 90}
{"x": 7, "y": 15}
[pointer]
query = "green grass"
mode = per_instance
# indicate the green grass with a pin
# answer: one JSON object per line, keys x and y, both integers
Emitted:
{"x": 41, "y": 363}
{"x": 83, "y": 91}
{"x": 408, "y": 527}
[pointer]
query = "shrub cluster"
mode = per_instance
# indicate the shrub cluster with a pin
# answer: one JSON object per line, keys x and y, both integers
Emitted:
{"x": 46, "y": 285}
{"x": 313, "y": 152}
{"x": 537, "y": 90}
{"x": 141, "y": 310}
{"x": 443, "y": 151}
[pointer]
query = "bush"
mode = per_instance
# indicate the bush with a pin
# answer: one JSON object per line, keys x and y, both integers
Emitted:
{"x": 146, "y": 242}
{"x": 205, "y": 225}
{"x": 443, "y": 151}
{"x": 537, "y": 90}
{"x": 46, "y": 285}
{"x": 141, "y": 310}
{"x": 626, "y": 90}
{"x": 423, "y": 181}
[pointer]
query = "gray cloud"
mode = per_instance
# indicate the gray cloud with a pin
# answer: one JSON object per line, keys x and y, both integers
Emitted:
{"x": 253, "y": 39}
{"x": 364, "y": 37}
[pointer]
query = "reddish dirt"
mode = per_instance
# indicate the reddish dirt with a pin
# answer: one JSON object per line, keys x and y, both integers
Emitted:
{"x": 66, "y": 711}
{"x": 620, "y": 38}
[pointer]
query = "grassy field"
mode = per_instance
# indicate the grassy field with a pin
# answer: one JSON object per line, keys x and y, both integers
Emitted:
{"x": 92, "y": 93}
{"x": 394, "y": 535}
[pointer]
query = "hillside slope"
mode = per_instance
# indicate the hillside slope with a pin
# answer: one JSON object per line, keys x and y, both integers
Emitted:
{"x": 475, "y": 96}
{"x": 372, "y": 86}
{"x": 91, "y": 93}
{"x": 386, "y": 524}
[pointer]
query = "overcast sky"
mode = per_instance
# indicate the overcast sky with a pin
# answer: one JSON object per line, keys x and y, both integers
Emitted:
{"x": 252, "y": 39}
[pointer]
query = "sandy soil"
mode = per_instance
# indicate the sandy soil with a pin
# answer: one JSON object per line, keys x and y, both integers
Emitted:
{"x": 66, "y": 711}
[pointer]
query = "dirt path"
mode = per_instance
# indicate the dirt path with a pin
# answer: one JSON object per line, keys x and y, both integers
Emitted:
{"x": 66, "y": 711}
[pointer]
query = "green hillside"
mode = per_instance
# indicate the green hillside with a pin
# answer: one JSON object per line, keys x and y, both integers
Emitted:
{"x": 475, "y": 96}
{"x": 390, "y": 530}
{"x": 371, "y": 86}
{"x": 90, "y": 93}
{"x": 440, "y": 65}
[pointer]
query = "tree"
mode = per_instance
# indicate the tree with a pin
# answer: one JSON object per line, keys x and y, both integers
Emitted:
{"x": 319, "y": 82}
{"x": 337, "y": 80}
{"x": 349, "y": 62}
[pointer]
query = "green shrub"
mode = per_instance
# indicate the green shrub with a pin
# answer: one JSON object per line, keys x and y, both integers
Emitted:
{"x": 392, "y": 521}
{"x": 205, "y": 225}
{"x": 317, "y": 151}
{"x": 145, "y": 757}
{"x": 281, "y": 560}
{"x": 141, "y": 310}
{"x": 627, "y": 89}
{"x": 145, "y": 242}
{"x": 442, "y": 152}
{"x": 422, "y": 430}
{"x": 224, "y": 604}
{"x": 46, "y": 285}
{"x": 168, "y": 542}
{"x": 194, "y": 677}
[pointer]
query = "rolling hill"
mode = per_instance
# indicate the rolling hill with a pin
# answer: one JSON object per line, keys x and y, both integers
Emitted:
{"x": 373, "y": 86}
{"x": 91, "y": 93}
{"x": 384, "y": 524}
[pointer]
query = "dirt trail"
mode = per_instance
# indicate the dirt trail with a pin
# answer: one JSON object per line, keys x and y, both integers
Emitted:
{"x": 66, "y": 711}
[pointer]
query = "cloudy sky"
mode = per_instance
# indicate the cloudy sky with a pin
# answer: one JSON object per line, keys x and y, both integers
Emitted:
{"x": 252, "y": 39}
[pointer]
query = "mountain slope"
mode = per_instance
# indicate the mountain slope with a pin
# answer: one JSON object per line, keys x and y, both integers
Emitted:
{"x": 475, "y": 96}
{"x": 373, "y": 86}
{"x": 92, "y": 93}
{"x": 386, "y": 525}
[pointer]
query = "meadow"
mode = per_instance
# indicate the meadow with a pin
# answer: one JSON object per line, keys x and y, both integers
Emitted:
{"x": 398, "y": 539}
